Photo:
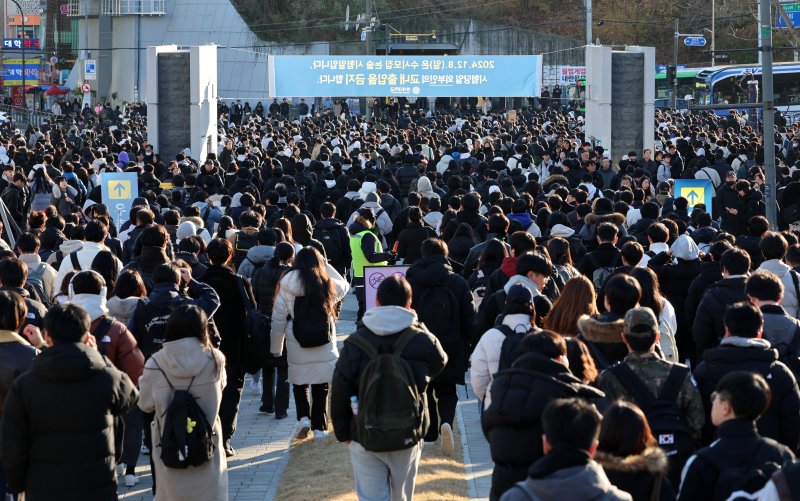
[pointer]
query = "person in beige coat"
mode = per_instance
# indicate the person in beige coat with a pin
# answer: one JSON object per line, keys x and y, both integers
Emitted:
{"x": 312, "y": 277}
{"x": 187, "y": 358}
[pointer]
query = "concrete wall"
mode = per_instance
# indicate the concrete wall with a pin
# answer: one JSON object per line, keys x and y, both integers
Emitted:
{"x": 598, "y": 95}
{"x": 185, "y": 115}
{"x": 619, "y": 99}
{"x": 203, "y": 76}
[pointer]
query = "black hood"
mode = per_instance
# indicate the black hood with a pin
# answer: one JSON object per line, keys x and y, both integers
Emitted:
{"x": 430, "y": 271}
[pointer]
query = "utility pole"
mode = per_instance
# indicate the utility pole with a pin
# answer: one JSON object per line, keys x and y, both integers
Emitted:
{"x": 768, "y": 108}
{"x": 760, "y": 35}
{"x": 588, "y": 22}
{"x": 713, "y": 31}
{"x": 674, "y": 82}
{"x": 370, "y": 47}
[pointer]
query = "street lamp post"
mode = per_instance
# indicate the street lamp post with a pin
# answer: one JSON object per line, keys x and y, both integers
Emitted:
{"x": 22, "y": 19}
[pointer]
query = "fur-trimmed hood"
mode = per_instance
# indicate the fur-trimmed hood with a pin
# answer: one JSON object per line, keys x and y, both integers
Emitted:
{"x": 555, "y": 178}
{"x": 597, "y": 331}
{"x": 613, "y": 217}
{"x": 652, "y": 460}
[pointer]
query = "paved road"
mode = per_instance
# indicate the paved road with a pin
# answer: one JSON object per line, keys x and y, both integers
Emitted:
{"x": 262, "y": 444}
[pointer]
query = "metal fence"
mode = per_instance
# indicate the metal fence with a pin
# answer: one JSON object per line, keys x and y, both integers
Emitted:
{"x": 24, "y": 117}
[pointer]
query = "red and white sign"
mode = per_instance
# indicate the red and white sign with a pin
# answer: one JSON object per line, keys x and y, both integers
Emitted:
{"x": 86, "y": 88}
{"x": 17, "y": 97}
{"x": 64, "y": 9}
{"x": 567, "y": 75}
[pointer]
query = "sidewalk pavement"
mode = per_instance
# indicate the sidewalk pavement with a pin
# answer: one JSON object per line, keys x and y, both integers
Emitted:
{"x": 262, "y": 443}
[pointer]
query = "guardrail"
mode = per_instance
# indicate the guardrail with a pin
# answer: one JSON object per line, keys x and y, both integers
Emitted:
{"x": 25, "y": 116}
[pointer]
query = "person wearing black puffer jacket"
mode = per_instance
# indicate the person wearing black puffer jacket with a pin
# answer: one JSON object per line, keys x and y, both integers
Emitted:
{"x": 743, "y": 348}
{"x": 519, "y": 396}
{"x": 443, "y": 302}
{"x": 406, "y": 175}
{"x": 58, "y": 419}
{"x": 708, "y": 329}
{"x": 410, "y": 239}
{"x": 275, "y": 396}
{"x": 710, "y": 274}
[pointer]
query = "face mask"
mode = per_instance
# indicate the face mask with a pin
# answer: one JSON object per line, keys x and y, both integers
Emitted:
{"x": 729, "y": 183}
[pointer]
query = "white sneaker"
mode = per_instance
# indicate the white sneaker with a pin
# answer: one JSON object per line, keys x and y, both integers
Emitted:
{"x": 303, "y": 428}
{"x": 255, "y": 388}
{"x": 320, "y": 434}
{"x": 131, "y": 480}
{"x": 446, "y": 433}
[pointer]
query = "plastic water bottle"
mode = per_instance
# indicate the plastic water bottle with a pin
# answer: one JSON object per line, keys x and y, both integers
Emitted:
{"x": 354, "y": 405}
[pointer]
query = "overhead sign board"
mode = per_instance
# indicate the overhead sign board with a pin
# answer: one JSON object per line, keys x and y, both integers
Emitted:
{"x": 694, "y": 41}
{"x": 696, "y": 191}
{"x": 792, "y": 12}
{"x": 411, "y": 76}
{"x": 118, "y": 190}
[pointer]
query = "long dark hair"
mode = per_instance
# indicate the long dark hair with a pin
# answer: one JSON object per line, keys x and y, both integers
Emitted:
{"x": 187, "y": 321}
{"x": 317, "y": 284}
{"x": 624, "y": 431}
{"x": 651, "y": 292}
{"x": 492, "y": 256}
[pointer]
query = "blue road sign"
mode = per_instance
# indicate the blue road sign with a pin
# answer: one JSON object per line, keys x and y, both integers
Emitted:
{"x": 792, "y": 12}
{"x": 119, "y": 189}
{"x": 694, "y": 41}
{"x": 696, "y": 191}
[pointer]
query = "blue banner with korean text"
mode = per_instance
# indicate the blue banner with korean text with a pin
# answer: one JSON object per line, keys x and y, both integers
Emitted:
{"x": 410, "y": 76}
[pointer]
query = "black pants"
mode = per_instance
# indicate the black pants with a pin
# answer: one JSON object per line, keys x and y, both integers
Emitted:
{"x": 231, "y": 396}
{"x": 147, "y": 420}
{"x": 358, "y": 287}
{"x": 275, "y": 395}
{"x": 442, "y": 401}
{"x": 317, "y": 408}
{"x": 132, "y": 444}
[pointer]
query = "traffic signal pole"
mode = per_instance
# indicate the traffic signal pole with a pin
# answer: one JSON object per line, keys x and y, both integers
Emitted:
{"x": 768, "y": 111}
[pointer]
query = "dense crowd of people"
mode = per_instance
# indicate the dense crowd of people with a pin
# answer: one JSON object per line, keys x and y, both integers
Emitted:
{"x": 621, "y": 345}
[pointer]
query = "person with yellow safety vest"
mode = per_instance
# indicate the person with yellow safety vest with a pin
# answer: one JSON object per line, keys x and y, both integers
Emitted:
{"x": 367, "y": 250}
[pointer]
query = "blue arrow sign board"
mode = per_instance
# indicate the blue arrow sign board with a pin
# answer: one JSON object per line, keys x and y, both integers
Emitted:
{"x": 694, "y": 41}
{"x": 792, "y": 12}
{"x": 696, "y": 191}
{"x": 119, "y": 189}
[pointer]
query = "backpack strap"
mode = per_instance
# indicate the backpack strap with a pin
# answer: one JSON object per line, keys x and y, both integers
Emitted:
{"x": 672, "y": 386}
{"x": 359, "y": 340}
{"x": 796, "y": 282}
{"x": 403, "y": 341}
{"x": 506, "y": 330}
{"x": 102, "y": 328}
{"x": 248, "y": 305}
{"x": 634, "y": 385}
{"x": 76, "y": 265}
{"x": 165, "y": 375}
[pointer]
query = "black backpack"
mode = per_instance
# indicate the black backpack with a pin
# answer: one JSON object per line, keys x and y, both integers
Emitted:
{"x": 254, "y": 341}
{"x": 187, "y": 438}
{"x": 244, "y": 242}
{"x": 665, "y": 419}
{"x": 390, "y": 406}
{"x": 790, "y": 354}
{"x": 332, "y": 242}
{"x": 509, "y": 351}
{"x": 438, "y": 309}
{"x": 311, "y": 324}
{"x": 735, "y": 482}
